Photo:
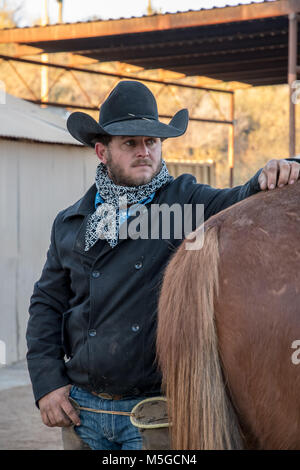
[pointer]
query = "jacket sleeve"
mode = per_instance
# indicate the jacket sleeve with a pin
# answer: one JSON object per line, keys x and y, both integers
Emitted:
{"x": 45, "y": 355}
{"x": 215, "y": 200}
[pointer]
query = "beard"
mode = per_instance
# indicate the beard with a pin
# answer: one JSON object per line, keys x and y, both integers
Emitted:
{"x": 119, "y": 177}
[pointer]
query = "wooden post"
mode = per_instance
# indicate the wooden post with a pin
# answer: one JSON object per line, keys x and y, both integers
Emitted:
{"x": 60, "y": 5}
{"x": 231, "y": 141}
{"x": 292, "y": 76}
{"x": 149, "y": 8}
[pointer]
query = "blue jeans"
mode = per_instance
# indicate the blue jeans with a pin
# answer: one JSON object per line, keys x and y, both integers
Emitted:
{"x": 103, "y": 431}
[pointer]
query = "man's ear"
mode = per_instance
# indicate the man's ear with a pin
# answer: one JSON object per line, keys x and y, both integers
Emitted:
{"x": 100, "y": 150}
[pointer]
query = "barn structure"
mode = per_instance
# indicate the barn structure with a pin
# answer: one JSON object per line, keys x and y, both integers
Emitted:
{"x": 43, "y": 170}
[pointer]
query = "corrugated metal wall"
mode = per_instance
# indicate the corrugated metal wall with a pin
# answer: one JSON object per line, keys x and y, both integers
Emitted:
{"x": 204, "y": 172}
{"x": 36, "y": 182}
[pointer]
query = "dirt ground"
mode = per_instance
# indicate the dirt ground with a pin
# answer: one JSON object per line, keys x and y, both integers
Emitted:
{"x": 21, "y": 427}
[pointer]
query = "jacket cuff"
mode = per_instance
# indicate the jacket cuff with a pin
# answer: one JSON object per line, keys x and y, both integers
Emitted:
{"x": 46, "y": 375}
{"x": 254, "y": 184}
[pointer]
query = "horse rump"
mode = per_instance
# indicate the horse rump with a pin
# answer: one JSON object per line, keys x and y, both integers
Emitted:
{"x": 228, "y": 319}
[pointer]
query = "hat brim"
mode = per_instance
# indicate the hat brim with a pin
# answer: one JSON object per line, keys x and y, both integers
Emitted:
{"x": 84, "y": 128}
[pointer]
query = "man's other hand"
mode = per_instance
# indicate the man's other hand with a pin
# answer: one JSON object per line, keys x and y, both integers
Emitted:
{"x": 278, "y": 173}
{"x": 56, "y": 409}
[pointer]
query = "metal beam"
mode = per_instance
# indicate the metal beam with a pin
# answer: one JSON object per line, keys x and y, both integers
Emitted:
{"x": 203, "y": 57}
{"x": 150, "y": 23}
{"x": 212, "y": 45}
{"x": 111, "y": 74}
{"x": 95, "y": 108}
{"x": 258, "y": 61}
{"x": 245, "y": 67}
{"x": 266, "y": 81}
{"x": 184, "y": 50}
{"x": 245, "y": 74}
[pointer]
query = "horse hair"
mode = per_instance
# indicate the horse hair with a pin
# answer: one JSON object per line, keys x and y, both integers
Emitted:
{"x": 187, "y": 346}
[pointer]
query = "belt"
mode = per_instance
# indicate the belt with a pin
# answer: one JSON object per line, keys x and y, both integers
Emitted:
{"x": 108, "y": 396}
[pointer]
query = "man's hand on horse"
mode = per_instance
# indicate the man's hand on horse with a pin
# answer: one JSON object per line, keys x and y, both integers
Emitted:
{"x": 278, "y": 173}
{"x": 56, "y": 409}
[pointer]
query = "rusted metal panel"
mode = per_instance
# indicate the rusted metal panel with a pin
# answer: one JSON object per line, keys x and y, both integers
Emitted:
{"x": 151, "y": 23}
{"x": 241, "y": 51}
{"x": 246, "y": 43}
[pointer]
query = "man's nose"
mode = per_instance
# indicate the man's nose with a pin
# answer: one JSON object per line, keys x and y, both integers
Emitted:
{"x": 142, "y": 149}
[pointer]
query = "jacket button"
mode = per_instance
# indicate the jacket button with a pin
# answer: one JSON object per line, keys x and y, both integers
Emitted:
{"x": 138, "y": 265}
{"x": 92, "y": 332}
{"x": 95, "y": 274}
{"x": 135, "y": 328}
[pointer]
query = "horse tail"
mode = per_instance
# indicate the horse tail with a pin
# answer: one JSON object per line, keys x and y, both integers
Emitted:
{"x": 202, "y": 416}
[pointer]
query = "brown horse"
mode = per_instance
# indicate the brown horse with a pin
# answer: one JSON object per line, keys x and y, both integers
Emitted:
{"x": 229, "y": 318}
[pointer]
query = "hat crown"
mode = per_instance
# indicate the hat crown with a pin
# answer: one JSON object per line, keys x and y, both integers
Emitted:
{"x": 128, "y": 100}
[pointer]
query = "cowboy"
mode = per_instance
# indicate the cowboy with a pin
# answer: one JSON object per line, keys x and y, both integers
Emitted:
{"x": 91, "y": 331}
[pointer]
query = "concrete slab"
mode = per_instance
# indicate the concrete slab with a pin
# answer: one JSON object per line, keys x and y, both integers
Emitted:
{"x": 21, "y": 427}
{"x": 14, "y": 375}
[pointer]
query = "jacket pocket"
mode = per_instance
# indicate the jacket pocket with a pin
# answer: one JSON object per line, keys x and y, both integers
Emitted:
{"x": 64, "y": 334}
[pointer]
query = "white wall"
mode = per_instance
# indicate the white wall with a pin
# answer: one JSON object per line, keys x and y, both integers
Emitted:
{"x": 36, "y": 182}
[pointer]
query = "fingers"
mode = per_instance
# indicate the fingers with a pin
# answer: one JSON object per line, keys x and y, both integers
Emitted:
{"x": 294, "y": 173}
{"x": 46, "y": 419}
{"x": 55, "y": 416}
{"x": 278, "y": 172}
{"x": 56, "y": 409}
{"x": 288, "y": 172}
{"x": 268, "y": 177}
{"x": 263, "y": 180}
{"x": 71, "y": 413}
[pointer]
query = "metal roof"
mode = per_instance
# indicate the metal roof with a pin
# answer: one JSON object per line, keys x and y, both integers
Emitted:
{"x": 22, "y": 120}
{"x": 211, "y": 7}
{"x": 246, "y": 43}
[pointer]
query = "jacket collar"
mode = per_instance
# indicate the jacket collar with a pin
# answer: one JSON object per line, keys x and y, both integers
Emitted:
{"x": 84, "y": 206}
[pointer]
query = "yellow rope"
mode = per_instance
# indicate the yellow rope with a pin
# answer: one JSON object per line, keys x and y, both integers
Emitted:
{"x": 125, "y": 413}
{"x": 132, "y": 414}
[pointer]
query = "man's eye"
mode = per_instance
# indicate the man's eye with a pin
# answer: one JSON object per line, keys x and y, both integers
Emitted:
{"x": 151, "y": 141}
{"x": 129, "y": 142}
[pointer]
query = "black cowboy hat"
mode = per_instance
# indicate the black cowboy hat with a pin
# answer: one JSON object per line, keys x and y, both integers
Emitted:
{"x": 131, "y": 110}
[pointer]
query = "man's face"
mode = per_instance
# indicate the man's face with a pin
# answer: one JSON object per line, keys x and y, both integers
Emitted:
{"x": 131, "y": 161}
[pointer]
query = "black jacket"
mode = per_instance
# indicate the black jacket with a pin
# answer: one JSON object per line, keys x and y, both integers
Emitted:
{"x": 98, "y": 308}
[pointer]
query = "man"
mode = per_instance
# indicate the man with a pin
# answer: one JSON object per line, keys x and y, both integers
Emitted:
{"x": 91, "y": 331}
